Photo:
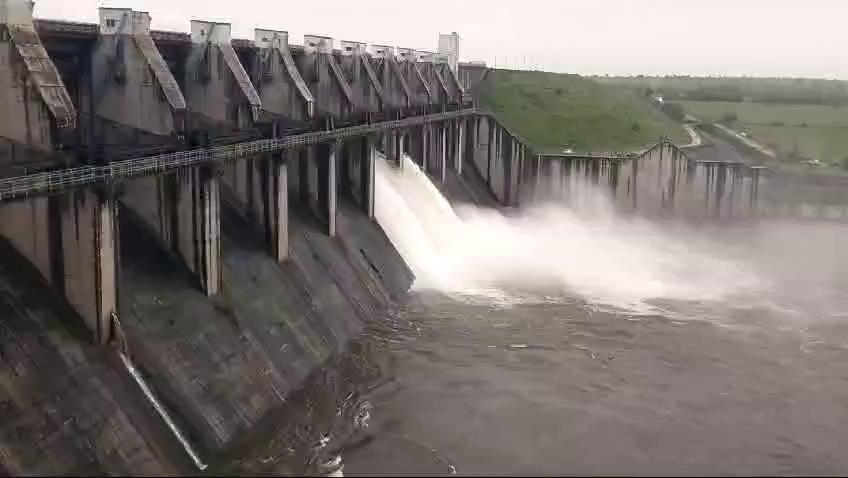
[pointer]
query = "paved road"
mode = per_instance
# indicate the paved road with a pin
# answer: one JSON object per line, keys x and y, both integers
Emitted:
{"x": 718, "y": 149}
{"x": 695, "y": 138}
{"x": 748, "y": 141}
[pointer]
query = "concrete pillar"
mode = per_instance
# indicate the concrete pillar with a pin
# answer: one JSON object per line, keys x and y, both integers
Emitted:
{"x": 387, "y": 143}
{"x": 72, "y": 240}
{"x": 90, "y": 243}
{"x": 460, "y": 145}
{"x": 508, "y": 156}
{"x": 198, "y": 217}
{"x": 443, "y": 148}
{"x": 281, "y": 88}
{"x": 34, "y": 102}
{"x": 425, "y": 147}
{"x": 277, "y": 207}
{"x": 367, "y": 180}
{"x": 135, "y": 87}
{"x": 183, "y": 210}
{"x": 490, "y": 151}
{"x": 332, "y": 189}
{"x": 499, "y": 146}
{"x": 333, "y": 95}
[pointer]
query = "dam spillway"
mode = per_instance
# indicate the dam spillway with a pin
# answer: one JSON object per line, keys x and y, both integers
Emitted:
{"x": 210, "y": 208}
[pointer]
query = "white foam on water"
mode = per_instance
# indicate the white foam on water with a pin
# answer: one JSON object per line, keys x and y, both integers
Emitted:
{"x": 475, "y": 253}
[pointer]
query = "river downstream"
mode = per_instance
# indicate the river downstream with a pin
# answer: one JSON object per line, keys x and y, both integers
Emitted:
{"x": 754, "y": 384}
{"x": 657, "y": 349}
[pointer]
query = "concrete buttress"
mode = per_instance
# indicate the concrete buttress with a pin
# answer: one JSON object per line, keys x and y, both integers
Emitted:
{"x": 220, "y": 95}
{"x": 367, "y": 91}
{"x": 460, "y": 144}
{"x": 183, "y": 209}
{"x": 420, "y": 94}
{"x": 72, "y": 241}
{"x": 283, "y": 92}
{"x": 397, "y": 92}
{"x": 369, "y": 156}
{"x": 333, "y": 96}
{"x": 31, "y": 91}
{"x": 135, "y": 94}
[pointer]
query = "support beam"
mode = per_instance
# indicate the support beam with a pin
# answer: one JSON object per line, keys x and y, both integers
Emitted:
{"x": 134, "y": 86}
{"x": 425, "y": 147}
{"x": 183, "y": 210}
{"x": 443, "y": 148}
{"x": 400, "y": 136}
{"x": 89, "y": 241}
{"x": 490, "y": 151}
{"x": 72, "y": 240}
{"x": 33, "y": 97}
{"x": 278, "y": 81}
{"x": 367, "y": 179}
{"x": 332, "y": 189}
{"x": 333, "y": 95}
{"x": 368, "y": 95}
{"x": 198, "y": 216}
{"x": 277, "y": 207}
{"x": 218, "y": 90}
{"x": 460, "y": 145}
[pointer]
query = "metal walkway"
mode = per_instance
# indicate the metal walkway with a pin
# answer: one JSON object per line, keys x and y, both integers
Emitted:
{"x": 21, "y": 187}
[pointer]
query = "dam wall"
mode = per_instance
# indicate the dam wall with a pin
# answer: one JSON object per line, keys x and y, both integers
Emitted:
{"x": 664, "y": 181}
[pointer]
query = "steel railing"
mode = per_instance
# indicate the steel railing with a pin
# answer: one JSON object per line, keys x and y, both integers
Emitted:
{"x": 20, "y": 187}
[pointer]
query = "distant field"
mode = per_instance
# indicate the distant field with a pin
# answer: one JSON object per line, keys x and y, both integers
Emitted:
{"x": 795, "y": 132}
{"x": 828, "y": 144}
{"x": 556, "y": 111}
{"x": 769, "y": 113}
{"x": 805, "y": 91}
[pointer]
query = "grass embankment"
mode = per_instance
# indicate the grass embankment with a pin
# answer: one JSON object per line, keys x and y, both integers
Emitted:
{"x": 798, "y": 133}
{"x": 555, "y": 112}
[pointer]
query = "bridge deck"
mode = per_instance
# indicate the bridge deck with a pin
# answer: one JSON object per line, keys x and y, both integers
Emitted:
{"x": 21, "y": 187}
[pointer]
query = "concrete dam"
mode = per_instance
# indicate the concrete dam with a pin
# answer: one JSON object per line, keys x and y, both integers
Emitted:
{"x": 194, "y": 224}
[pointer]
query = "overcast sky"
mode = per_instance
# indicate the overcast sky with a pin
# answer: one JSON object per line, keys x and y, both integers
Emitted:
{"x": 706, "y": 37}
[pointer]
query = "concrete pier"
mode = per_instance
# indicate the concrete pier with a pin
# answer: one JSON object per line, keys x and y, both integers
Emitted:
{"x": 324, "y": 77}
{"x": 220, "y": 95}
{"x": 421, "y": 97}
{"x": 368, "y": 95}
{"x": 397, "y": 93}
{"x": 461, "y": 145}
{"x": 35, "y": 104}
{"x": 332, "y": 188}
{"x": 183, "y": 210}
{"x": 367, "y": 179}
{"x": 72, "y": 241}
{"x": 285, "y": 97}
{"x": 258, "y": 188}
{"x": 136, "y": 97}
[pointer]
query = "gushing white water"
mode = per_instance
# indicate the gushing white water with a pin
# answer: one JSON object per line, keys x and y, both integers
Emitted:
{"x": 604, "y": 258}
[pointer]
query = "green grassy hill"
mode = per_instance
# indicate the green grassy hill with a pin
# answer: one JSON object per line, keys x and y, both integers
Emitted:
{"x": 556, "y": 111}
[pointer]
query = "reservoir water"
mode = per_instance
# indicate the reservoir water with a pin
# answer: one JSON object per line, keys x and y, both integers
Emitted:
{"x": 563, "y": 341}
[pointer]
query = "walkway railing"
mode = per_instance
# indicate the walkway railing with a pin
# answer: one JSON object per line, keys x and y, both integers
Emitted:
{"x": 21, "y": 187}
